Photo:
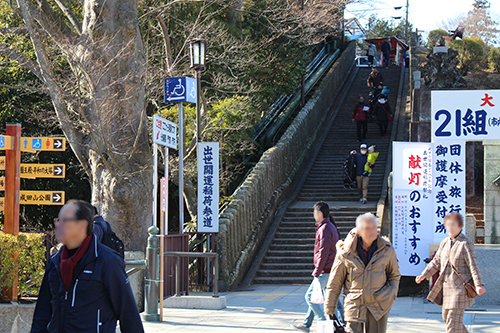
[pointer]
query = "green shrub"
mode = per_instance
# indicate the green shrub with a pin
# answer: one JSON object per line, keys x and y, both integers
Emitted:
{"x": 434, "y": 36}
{"x": 494, "y": 59}
{"x": 470, "y": 53}
{"x": 29, "y": 248}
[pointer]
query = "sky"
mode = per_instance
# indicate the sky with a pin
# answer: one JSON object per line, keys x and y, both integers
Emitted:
{"x": 424, "y": 14}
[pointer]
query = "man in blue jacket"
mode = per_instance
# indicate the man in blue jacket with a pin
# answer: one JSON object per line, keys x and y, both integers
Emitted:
{"x": 85, "y": 287}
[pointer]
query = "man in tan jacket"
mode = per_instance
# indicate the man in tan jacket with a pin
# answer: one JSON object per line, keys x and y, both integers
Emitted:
{"x": 367, "y": 267}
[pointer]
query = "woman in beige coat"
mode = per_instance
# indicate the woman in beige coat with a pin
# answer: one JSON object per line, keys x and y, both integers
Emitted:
{"x": 448, "y": 290}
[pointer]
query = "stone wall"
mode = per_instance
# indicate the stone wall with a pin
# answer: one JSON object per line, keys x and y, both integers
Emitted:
{"x": 491, "y": 192}
{"x": 16, "y": 318}
{"x": 244, "y": 222}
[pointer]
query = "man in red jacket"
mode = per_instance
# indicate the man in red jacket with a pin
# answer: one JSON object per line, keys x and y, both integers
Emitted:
{"x": 360, "y": 116}
{"x": 325, "y": 250}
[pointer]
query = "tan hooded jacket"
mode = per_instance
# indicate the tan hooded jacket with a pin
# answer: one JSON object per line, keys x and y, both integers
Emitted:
{"x": 372, "y": 288}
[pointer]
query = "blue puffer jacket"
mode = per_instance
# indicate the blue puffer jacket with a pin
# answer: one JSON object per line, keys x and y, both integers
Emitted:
{"x": 98, "y": 296}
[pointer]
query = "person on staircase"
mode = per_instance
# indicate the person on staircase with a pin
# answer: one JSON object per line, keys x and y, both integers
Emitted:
{"x": 374, "y": 79}
{"x": 366, "y": 267}
{"x": 383, "y": 113}
{"x": 371, "y": 52}
{"x": 327, "y": 236}
{"x": 360, "y": 116}
{"x": 386, "y": 51}
{"x": 362, "y": 181}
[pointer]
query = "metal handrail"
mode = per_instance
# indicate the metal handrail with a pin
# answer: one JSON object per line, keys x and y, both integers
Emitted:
{"x": 134, "y": 266}
{"x": 179, "y": 255}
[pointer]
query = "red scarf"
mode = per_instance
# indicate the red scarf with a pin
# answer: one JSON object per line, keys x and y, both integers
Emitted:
{"x": 68, "y": 264}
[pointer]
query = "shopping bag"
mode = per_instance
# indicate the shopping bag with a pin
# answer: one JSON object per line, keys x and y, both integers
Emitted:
{"x": 325, "y": 326}
{"x": 317, "y": 294}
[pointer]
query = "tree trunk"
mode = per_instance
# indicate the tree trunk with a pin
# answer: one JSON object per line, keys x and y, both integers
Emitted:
{"x": 119, "y": 152}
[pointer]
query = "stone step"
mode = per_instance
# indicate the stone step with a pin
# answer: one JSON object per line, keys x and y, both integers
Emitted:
{"x": 292, "y": 247}
{"x": 290, "y": 266}
{"x": 289, "y": 260}
{"x": 277, "y": 253}
{"x": 295, "y": 234}
{"x": 284, "y": 272}
{"x": 293, "y": 241}
{"x": 283, "y": 280}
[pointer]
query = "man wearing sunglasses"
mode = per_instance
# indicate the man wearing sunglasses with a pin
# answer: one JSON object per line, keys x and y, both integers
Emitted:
{"x": 85, "y": 287}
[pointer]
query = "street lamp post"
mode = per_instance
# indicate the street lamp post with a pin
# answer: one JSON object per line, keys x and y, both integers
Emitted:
{"x": 197, "y": 54}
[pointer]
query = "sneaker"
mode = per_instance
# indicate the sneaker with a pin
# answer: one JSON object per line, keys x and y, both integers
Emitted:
{"x": 365, "y": 200}
{"x": 300, "y": 327}
{"x": 361, "y": 200}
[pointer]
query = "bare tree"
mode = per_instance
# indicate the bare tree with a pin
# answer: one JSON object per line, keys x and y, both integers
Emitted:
{"x": 94, "y": 73}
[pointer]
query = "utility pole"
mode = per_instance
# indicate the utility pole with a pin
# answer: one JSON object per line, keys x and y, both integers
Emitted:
{"x": 407, "y": 23}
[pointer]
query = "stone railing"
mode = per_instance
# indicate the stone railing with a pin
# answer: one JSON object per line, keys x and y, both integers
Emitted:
{"x": 244, "y": 222}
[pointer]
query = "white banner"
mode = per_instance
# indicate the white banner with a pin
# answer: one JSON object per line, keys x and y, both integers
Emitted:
{"x": 208, "y": 187}
{"x": 412, "y": 229}
{"x": 164, "y": 132}
{"x": 465, "y": 115}
{"x": 449, "y": 183}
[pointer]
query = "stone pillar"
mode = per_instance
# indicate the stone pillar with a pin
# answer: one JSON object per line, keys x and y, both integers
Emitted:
{"x": 137, "y": 279}
{"x": 491, "y": 192}
{"x": 470, "y": 169}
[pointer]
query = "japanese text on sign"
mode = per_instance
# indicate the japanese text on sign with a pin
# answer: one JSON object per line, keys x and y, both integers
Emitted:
{"x": 208, "y": 187}
{"x": 412, "y": 205}
{"x": 465, "y": 115}
{"x": 164, "y": 132}
{"x": 449, "y": 183}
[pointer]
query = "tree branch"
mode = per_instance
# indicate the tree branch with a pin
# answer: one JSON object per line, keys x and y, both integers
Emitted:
{"x": 40, "y": 90}
{"x": 22, "y": 60}
{"x": 70, "y": 15}
{"x": 18, "y": 30}
{"x": 61, "y": 108}
{"x": 166, "y": 41}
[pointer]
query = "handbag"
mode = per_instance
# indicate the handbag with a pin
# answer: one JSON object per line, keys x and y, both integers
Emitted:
{"x": 469, "y": 286}
{"x": 388, "y": 115}
{"x": 337, "y": 326}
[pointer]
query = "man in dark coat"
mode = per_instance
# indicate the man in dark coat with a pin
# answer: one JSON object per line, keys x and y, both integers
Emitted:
{"x": 360, "y": 116}
{"x": 383, "y": 113}
{"x": 386, "y": 51}
{"x": 85, "y": 287}
{"x": 374, "y": 79}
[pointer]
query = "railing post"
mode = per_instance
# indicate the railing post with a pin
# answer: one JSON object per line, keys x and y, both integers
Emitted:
{"x": 152, "y": 252}
{"x": 215, "y": 280}
{"x": 177, "y": 276}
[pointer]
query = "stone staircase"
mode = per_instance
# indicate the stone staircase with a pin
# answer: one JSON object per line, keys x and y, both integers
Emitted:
{"x": 289, "y": 259}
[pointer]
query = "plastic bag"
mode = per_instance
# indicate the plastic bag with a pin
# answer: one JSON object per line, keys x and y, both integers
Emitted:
{"x": 325, "y": 326}
{"x": 317, "y": 294}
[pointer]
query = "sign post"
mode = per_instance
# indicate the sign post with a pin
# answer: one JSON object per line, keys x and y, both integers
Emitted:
{"x": 12, "y": 187}
{"x": 165, "y": 134}
{"x": 179, "y": 90}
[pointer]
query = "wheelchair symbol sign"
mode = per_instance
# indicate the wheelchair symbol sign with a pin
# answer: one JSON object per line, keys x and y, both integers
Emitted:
{"x": 36, "y": 143}
{"x": 180, "y": 89}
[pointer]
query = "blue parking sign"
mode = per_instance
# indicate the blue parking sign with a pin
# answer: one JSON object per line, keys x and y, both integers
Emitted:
{"x": 180, "y": 89}
{"x": 2, "y": 142}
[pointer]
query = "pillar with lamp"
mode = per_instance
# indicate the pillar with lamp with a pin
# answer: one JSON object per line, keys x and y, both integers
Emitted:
{"x": 197, "y": 54}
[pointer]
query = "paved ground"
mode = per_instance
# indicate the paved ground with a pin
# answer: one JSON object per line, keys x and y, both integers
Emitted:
{"x": 271, "y": 308}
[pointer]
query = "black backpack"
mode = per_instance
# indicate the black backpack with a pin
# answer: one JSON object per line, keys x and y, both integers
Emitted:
{"x": 111, "y": 240}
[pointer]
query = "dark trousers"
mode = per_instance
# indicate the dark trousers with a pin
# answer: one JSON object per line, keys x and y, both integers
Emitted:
{"x": 370, "y": 60}
{"x": 383, "y": 128}
{"x": 386, "y": 58}
{"x": 362, "y": 124}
